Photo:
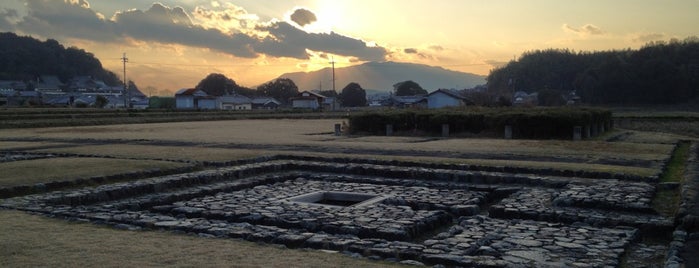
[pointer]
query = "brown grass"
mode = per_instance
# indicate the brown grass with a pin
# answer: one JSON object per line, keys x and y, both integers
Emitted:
{"x": 33, "y": 241}
{"x": 305, "y": 132}
{"x": 30, "y": 172}
{"x": 161, "y": 152}
{"x": 15, "y": 145}
{"x": 218, "y": 154}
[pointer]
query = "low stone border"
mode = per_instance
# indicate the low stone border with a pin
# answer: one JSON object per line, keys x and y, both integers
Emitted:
{"x": 525, "y": 226}
{"x": 687, "y": 216}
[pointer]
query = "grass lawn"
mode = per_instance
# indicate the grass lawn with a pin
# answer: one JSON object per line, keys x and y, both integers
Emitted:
{"x": 35, "y": 241}
{"x": 30, "y": 172}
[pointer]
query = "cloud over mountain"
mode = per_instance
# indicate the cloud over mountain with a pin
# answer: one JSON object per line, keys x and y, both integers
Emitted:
{"x": 202, "y": 28}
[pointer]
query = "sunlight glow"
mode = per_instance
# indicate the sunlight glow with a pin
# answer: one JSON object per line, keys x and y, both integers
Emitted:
{"x": 330, "y": 17}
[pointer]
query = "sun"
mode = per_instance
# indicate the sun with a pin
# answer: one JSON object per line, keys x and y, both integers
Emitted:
{"x": 329, "y": 17}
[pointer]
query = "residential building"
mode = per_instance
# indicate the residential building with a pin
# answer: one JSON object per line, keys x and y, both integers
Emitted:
{"x": 445, "y": 98}
{"x": 414, "y": 101}
{"x": 192, "y": 98}
{"x": 265, "y": 103}
{"x": 308, "y": 100}
{"x": 234, "y": 102}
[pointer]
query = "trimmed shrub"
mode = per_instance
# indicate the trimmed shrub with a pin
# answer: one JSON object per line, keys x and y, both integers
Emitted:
{"x": 527, "y": 123}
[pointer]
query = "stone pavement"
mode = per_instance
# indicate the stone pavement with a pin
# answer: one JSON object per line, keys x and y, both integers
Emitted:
{"x": 431, "y": 214}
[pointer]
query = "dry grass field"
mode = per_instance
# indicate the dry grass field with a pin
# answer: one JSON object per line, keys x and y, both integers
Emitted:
{"x": 30, "y": 240}
{"x": 36, "y": 241}
{"x": 30, "y": 172}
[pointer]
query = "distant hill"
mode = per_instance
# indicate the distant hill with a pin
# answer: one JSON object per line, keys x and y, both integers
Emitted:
{"x": 381, "y": 76}
{"x": 25, "y": 58}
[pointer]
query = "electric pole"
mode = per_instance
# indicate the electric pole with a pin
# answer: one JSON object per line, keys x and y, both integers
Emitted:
{"x": 332, "y": 61}
{"x": 127, "y": 95}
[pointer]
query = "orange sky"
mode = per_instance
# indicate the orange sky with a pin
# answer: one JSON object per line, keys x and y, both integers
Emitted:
{"x": 174, "y": 44}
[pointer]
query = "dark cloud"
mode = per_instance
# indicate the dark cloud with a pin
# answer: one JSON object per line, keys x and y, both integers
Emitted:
{"x": 410, "y": 51}
{"x": 74, "y": 19}
{"x": 303, "y": 17}
{"x": 286, "y": 40}
{"x": 56, "y": 18}
{"x": 6, "y": 15}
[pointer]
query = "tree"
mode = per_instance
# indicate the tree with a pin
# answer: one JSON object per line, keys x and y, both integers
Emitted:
{"x": 101, "y": 101}
{"x": 353, "y": 95}
{"x": 216, "y": 84}
{"x": 281, "y": 89}
{"x": 408, "y": 88}
{"x": 550, "y": 97}
{"x": 248, "y": 92}
{"x": 23, "y": 58}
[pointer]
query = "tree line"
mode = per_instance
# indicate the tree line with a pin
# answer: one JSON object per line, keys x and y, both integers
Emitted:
{"x": 282, "y": 89}
{"x": 657, "y": 73}
{"x": 25, "y": 58}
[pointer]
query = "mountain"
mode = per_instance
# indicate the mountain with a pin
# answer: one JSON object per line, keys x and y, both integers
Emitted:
{"x": 382, "y": 76}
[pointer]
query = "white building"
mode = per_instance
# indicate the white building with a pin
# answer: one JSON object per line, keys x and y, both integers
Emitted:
{"x": 192, "y": 98}
{"x": 235, "y": 102}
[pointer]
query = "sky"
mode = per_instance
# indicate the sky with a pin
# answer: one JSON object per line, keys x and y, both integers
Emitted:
{"x": 173, "y": 44}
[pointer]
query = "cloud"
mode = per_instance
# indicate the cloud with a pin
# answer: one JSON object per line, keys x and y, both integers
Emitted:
{"x": 286, "y": 40}
{"x": 648, "y": 37}
{"x": 496, "y": 63}
{"x": 173, "y": 25}
{"x": 410, "y": 51}
{"x": 303, "y": 17}
{"x": 68, "y": 19}
{"x": 436, "y": 47}
{"x": 585, "y": 30}
{"x": 230, "y": 19}
{"x": 6, "y": 15}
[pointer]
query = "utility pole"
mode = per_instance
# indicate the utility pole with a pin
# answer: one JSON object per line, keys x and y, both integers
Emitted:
{"x": 332, "y": 61}
{"x": 127, "y": 95}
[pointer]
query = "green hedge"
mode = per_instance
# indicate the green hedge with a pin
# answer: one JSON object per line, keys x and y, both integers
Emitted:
{"x": 527, "y": 123}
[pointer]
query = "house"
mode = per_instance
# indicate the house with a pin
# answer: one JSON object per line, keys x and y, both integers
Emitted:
{"x": 28, "y": 97}
{"x": 407, "y": 101}
{"x": 49, "y": 84}
{"x": 61, "y": 100}
{"x": 86, "y": 84}
{"x": 572, "y": 98}
{"x": 85, "y": 101}
{"x": 12, "y": 85}
{"x": 234, "y": 102}
{"x": 140, "y": 103}
{"x": 331, "y": 104}
{"x": 445, "y": 98}
{"x": 265, "y": 103}
{"x": 308, "y": 100}
{"x": 522, "y": 98}
{"x": 192, "y": 98}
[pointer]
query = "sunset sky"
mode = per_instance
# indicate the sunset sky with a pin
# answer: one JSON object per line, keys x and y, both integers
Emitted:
{"x": 173, "y": 44}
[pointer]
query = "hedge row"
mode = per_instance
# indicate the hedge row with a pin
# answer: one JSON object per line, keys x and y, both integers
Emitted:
{"x": 527, "y": 123}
